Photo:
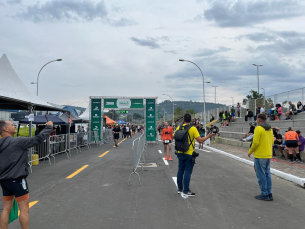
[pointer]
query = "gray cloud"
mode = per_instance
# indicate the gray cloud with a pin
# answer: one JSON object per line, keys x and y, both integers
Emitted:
{"x": 290, "y": 46}
{"x": 71, "y": 11}
{"x": 149, "y": 42}
{"x": 210, "y": 52}
{"x": 13, "y": 1}
{"x": 238, "y": 13}
{"x": 259, "y": 37}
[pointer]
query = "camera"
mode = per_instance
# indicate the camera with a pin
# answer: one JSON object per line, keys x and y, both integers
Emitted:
{"x": 194, "y": 155}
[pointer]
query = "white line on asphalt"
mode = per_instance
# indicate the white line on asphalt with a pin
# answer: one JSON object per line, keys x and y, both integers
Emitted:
{"x": 160, "y": 151}
{"x": 165, "y": 161}
{"x": 175, "y": 180}
{"x": 298, "y": 180}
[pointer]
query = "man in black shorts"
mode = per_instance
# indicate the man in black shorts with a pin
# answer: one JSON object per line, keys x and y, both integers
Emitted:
{"x": 14, "y": 170}
{"x": 116, "y": 134}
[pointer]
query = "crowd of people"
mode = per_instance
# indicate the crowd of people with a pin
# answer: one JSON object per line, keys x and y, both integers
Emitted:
{"x": 225, "y": 117}
{"x": 126, "y": 131}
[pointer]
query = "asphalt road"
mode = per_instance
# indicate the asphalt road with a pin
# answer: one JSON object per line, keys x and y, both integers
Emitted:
{"x": 99, "y": 197}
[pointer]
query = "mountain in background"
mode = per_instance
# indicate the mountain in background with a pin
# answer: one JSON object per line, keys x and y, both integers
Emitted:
{"x": 186, "y": 105}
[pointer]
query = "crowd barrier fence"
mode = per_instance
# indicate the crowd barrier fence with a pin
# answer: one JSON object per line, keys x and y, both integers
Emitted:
{"x": 60, "y": 144}
{"x": 139, "y": 155}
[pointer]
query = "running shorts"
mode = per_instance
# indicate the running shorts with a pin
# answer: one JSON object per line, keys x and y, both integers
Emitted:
{"x": 167, "y": 142}
{"x": 291, "y": 143}
{"x": 17, "y": 188}
{"x": 116, "y": 136}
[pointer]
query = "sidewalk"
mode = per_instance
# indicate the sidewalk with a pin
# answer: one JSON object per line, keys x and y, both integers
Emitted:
{"x": 283, "y": 165}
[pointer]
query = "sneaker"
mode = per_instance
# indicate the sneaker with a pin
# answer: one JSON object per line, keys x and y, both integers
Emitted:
{"x": 214, "y": 141}
{"x": 301, "y": 162}
{"x": 270, "y": 197}
{"x": 219, "y": 137}
{"x": 170, "y": 158}
{"x": 165, "y": 158}
{"x": 291, "y": 162}
{"x": 188, "y": 194}
{"x": 244, "y": 140}
{"x": 179, "y": 192}
{"x": 260, "y": 197}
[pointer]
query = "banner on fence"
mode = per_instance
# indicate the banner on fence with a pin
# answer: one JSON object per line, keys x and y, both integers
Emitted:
{"x": 150, "y": 120}
{"x": 96, "y": 119}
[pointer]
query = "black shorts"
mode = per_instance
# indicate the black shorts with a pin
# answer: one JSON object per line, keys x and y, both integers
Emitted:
{"x": 291, "y": 143}
{"x": 17, "y": 188}
{"x": 116, "y": 136}
{"x": 169, "y": 141}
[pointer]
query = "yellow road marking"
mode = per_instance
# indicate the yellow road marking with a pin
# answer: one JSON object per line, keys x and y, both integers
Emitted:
{"x": 77, "y": 171}
{"x": 102, "y": 155}
{"x": 31, "y": 204}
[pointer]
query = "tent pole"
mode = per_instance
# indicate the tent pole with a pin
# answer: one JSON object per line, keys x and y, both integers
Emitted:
{"x": 30, "y": 135}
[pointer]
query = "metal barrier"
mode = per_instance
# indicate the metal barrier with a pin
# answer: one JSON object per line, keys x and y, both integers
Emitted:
{"x": 108, "y": 135}
{"x": 139, "y": 155}
{"x": 59, "y": 144}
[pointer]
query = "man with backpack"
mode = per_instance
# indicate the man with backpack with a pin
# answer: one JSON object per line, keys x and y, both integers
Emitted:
{"x": 185, "y": 136}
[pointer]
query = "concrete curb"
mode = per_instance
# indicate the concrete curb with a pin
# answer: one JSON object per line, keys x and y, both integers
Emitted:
{"x": 286, "y": 176}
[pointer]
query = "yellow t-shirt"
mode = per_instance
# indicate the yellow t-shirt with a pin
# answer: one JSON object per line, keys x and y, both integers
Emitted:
{"x": 193, "y": 134}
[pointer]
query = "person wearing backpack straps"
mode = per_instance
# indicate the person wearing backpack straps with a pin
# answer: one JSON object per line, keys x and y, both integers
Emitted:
{"x": 185, "y": 136}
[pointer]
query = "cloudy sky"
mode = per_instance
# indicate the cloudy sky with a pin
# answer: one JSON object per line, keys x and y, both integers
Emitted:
{"x": 132, "y": 48}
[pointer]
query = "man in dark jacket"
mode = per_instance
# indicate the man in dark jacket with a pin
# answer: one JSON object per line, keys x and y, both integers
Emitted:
{"x": 248, "y": 115}
{"x": 14, "y": 170}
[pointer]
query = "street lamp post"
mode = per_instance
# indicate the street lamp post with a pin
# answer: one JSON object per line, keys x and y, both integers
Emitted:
{"x": 40, "y": 71}
{"x": 215, "y": 94}
{"x": 204, "y": 120}
{"x": 173, "y": 123}
{"x": 257, "y": 65}
{"x": 264, "y": 96}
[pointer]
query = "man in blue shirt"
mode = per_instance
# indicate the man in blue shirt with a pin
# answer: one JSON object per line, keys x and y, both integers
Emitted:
{"x": 301, "y": 144}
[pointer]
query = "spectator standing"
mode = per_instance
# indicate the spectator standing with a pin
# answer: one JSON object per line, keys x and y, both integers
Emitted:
{"x": 238, "y": 109}
{"x": 291, "y": 110}
{"x": 201, "y": 132}
{"x": 232, "y": 113}
{"x": 167, "y": 138}
{"x": 291, "y": 139}
{"x": 80, "y": 135}
{"x": 262, "y": 148}
{"x": 270, "y": 110}
{"x": 186, "y": 162}
{"x": 301, "y": 144}
{"x": 257, "y": 110}
{"x": 249, "y": 114}
{"x": 262, "y": 110}
{"x": 14, "y": 170}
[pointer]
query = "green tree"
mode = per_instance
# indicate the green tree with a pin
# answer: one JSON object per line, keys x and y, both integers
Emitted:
{"x": 252, "y": 96}
{"x": 179, "y": 111}
{"x": 111, "y": 114}
{"x": 137, "y": 116}
{"x": 190, "y": 111}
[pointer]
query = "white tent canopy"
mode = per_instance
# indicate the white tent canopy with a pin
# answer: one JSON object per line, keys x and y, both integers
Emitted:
{"x": 13, "y": 93}
{"x": 85, "y": 115}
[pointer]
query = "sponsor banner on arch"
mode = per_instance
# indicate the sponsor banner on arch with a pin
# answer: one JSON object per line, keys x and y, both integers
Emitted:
{"x": 96, "y": 119}
{"x": 150, "y": 120}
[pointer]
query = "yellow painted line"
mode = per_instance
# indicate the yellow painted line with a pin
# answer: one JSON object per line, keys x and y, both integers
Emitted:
{"x": 31, "y": 204}
{"x": 102, "y": 155}
{"x": 77, "y": 171}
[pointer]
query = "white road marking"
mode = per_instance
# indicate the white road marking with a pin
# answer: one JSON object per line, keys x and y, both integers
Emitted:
{"x": 165, "y": 161}
{"x": 160, "y": 151}
{"x": 175, "y": 180}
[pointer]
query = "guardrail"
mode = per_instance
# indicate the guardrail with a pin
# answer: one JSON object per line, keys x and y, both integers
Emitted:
{"x": 60, "y": 144}
{"x": 139, "y": 154}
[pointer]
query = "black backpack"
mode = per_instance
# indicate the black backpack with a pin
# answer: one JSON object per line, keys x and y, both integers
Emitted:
{"x": 181, "y": 138}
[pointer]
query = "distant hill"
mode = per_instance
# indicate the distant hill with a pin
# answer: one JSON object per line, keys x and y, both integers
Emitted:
{"x": 186, "y": 105}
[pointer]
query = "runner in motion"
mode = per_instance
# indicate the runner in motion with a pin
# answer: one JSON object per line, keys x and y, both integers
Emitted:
{"x": 167, "y": 138}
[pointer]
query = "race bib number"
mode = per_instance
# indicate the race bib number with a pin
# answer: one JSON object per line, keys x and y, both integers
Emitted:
{"x": 166, "y": 141}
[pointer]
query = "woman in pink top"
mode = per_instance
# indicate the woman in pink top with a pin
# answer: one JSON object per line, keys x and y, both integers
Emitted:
{"x": 279, "y": 110}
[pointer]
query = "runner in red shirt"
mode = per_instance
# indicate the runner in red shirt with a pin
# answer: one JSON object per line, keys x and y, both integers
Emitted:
{"x": 167, "y": 138}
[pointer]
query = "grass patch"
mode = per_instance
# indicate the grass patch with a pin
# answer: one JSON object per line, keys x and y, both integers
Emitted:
{"x": 24, "y": 132}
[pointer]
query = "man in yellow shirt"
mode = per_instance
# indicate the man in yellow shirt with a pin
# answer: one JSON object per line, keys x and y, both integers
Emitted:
{"x": 262, "y": 148}
{"x": 186, "y": 162}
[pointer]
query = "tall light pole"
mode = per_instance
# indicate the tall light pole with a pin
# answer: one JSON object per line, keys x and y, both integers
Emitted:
{"x": 257, "y": 65}
{"x": 173, "y": 110}
{"x": 215, "y": 94}
{"x": 264, "y": 96}
{"x": 232, "y": 101}
{"x": 40, "y": 71}
{"x": 204, "y": 120}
